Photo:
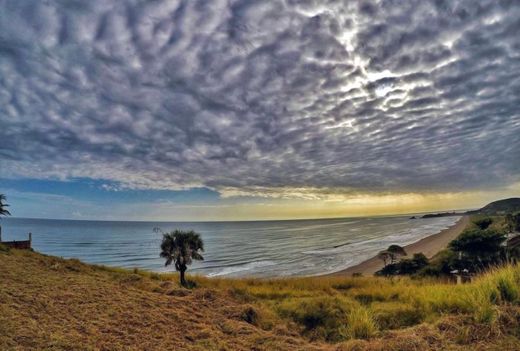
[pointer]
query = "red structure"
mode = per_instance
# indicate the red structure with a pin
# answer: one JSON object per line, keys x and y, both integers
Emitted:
{"x": 19, "y": 244}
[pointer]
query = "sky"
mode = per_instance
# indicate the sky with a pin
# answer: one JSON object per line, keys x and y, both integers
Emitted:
{"x": 240, "y": 109}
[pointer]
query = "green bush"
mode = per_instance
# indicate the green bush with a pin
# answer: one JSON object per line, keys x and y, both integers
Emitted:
{"x": 322, "y": 317}
{"x": 393, "y": 315}
{"x": 249, "y": 315}
{"x": 405, "y": 266}
{"x": 483, "y": 223}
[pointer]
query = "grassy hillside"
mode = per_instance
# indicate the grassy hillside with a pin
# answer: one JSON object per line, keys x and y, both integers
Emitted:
{"x": 499, "y": 207}
{"x": 47, "y": 303}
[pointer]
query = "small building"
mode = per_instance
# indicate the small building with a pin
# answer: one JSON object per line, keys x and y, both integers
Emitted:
{"x": 18, "y": 244}
{"x": 513, "y": 240}
{"x": 462, "y": 276}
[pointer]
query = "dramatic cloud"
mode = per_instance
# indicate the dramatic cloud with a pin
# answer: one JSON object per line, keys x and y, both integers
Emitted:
{"x": 247, "y": 97}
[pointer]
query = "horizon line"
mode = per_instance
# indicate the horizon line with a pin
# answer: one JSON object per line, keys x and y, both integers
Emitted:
{"x": 462, "y": 212}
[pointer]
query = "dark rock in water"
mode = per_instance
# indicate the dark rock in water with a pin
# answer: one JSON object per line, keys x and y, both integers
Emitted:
{"x": 413, "y": 217}
{"x": 345, "y": 244}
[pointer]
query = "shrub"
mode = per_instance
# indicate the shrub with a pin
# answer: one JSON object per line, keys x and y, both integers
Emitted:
{"x": 405, "y": 266}
{"x": 483, "y": 223}
{"x": 249, "y": 315}
{"x": 258, "y": 316}
{"x": 321, "y": 317}
{"x": 389, "y": 269}
{"x": 393, "y": 315}
{"x": 506, "y": 281}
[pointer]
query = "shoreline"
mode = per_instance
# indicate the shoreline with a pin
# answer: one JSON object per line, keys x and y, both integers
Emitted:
{"x": 429, "y": 246}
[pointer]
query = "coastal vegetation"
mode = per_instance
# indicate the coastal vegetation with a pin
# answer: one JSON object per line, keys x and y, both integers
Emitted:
{"x": 49, "y": 303}
{"x": 483, "y": 244}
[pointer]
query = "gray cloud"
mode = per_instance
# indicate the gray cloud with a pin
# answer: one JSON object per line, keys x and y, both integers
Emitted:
{"x": 384, "y": 95}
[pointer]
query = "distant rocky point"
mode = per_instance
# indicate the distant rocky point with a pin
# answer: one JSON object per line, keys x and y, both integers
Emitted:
{"x": 442, "y": 214}
{"x": 499, "y": 207}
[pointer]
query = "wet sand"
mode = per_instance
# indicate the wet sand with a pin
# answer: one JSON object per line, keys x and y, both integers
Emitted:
{"x": 429, "y": 246}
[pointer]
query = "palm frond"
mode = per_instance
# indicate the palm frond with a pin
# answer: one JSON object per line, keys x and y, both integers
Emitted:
{"x": 181, "y": 248}
{"x": 197, "y": 256}
{"x": 3, "y": 209}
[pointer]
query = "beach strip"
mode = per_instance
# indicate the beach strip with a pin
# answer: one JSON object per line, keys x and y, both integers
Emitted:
{"x": 429, "y": 246}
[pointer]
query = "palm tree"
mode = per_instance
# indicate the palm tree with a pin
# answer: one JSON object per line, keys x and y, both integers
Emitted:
{"x": 3, "y": 210}
{"x": 181, "y": 248}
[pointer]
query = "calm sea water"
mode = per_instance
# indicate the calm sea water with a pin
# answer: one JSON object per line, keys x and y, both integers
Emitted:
{"x": 263, "y": 248}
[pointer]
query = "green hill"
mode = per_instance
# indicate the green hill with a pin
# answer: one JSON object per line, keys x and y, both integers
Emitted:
{"x": 499, "y": 207}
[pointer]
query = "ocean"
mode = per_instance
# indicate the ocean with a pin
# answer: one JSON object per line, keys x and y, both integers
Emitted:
{"x": 232, "y": 249}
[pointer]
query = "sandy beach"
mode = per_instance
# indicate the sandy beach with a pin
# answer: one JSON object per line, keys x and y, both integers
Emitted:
{"x": 428, "y": 246}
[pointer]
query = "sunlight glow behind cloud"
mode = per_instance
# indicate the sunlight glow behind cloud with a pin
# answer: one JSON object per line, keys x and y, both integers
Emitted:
{"x": 278, "y": 99}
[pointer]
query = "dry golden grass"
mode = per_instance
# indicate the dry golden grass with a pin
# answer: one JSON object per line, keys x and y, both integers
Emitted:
{"x": 47, "y": 303}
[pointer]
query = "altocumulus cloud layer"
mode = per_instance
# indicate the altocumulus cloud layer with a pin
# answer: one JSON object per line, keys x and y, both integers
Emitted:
{"x": 252, "y": 97}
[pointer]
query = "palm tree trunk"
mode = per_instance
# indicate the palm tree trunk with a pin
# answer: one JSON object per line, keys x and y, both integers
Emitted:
{"x": 183, "y": 279}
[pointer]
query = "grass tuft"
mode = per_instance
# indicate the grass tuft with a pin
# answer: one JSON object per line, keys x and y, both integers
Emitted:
{"x": 360, "y": 324}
